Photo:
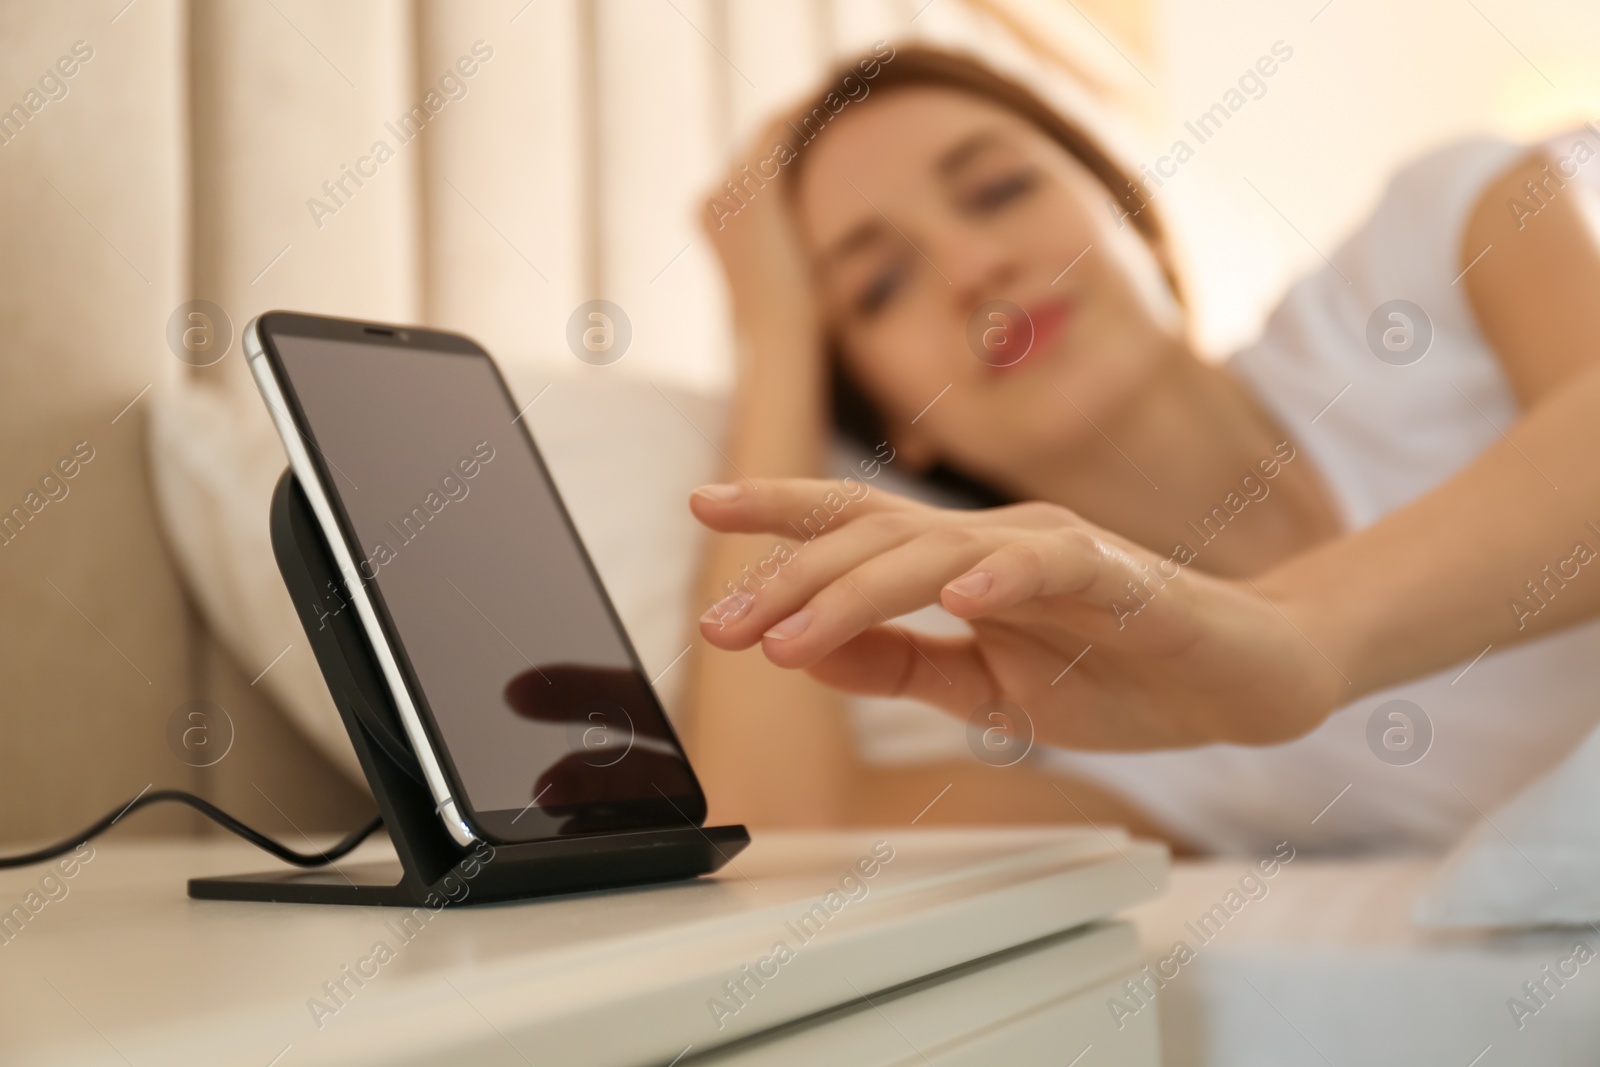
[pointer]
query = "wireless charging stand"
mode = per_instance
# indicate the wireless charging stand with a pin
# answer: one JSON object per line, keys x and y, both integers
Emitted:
{"x": 432, "y": 870}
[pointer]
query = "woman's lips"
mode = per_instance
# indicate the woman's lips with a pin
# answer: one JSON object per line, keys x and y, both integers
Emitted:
{"x": 1049, "y": 322}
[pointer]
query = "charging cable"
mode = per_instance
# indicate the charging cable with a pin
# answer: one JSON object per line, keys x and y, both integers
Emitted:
{"x": 210, "y": 811}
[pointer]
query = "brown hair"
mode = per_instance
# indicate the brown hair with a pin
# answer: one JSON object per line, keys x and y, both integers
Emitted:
{"x": 919, "y": 66}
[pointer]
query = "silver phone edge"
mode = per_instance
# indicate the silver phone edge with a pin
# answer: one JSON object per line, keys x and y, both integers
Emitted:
{"x": 300, "y": 462}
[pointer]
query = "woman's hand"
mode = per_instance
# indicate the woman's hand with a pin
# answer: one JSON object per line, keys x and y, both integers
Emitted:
{"x": 1103, "y": 644}
{"x": 754, "y": 236}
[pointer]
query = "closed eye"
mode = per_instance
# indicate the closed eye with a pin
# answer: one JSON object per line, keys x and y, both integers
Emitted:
{"x": 993, "y": 195}
{"x": 881, "y": 291}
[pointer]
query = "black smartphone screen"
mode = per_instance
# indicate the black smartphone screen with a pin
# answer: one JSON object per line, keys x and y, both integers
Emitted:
{"x": 541, "y": 713}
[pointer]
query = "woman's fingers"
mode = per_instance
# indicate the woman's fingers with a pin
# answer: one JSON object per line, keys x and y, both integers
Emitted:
{"x": 1072, "y": 562}
{"x": 809, "y": 507}
{"x": 891, "y": 661}
{"x": 775, "y": 587}
{"x": 884, "y": 586}
{"x": 804, "y": 508}
{"x": 858, "y": 558}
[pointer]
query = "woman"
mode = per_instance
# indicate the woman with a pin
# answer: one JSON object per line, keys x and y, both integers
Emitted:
{"x": 1198, "y": 555}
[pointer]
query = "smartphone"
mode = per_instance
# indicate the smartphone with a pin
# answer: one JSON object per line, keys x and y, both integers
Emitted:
{"x": 513, "y": 678}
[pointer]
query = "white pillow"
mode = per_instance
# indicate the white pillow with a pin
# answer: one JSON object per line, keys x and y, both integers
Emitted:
{"x": 1534, "y": 862}
{"x": 213, "y": 463}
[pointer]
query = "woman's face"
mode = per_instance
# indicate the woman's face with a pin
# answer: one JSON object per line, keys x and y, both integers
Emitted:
{"x": 944, "y": 231}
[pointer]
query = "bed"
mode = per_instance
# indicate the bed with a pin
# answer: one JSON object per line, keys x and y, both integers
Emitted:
{"x": 1329, "y": 968}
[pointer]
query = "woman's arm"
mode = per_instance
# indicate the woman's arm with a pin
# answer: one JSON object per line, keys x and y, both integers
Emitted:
{"x": 1503, "y": 550}
{"x": 772, "y": 747}
{"x": 1172, "y": 657}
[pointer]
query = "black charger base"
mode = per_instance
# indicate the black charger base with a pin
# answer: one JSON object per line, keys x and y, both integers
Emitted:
{"x": 432, "y": 870}
{"x": 509, "y": 872}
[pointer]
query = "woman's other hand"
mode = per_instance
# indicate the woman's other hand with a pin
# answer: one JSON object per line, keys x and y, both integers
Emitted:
{"x": 1102, "y": 643}
{"x": 750, "y": 228}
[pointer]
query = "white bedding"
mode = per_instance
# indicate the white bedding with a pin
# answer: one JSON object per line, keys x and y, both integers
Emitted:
{"x": 1327, "y": 968}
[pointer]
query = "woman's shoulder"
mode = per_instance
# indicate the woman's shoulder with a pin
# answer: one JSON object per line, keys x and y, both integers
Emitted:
{"x": 1368, "y": 357}
{"x": 1410, "y": 243}
{"x": 1455, "y": 170}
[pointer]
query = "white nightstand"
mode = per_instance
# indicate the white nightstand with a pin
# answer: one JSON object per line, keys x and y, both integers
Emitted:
{"x": 895, "y": 947}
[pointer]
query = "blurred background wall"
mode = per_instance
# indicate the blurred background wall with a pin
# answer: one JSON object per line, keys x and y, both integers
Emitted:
{"x": 184, "y": 157}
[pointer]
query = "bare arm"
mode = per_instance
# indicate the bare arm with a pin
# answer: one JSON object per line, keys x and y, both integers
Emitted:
{"x": 772, "y": 746}
{"x": 1439, "y": 581}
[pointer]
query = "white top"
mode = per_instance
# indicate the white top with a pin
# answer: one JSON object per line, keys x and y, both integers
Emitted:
{"x": 1381, "y": 435}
